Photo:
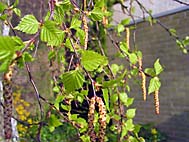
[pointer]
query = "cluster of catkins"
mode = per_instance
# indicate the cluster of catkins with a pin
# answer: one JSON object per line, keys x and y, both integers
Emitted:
{"x": 101, "y": 120}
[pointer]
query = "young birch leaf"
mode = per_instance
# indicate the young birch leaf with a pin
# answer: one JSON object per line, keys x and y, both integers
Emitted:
{"x": 28, "y": 24}
{"x": 17, "y": 11}
{"x": 73, "y": 80}
{"x": 75, "y": 24}
{"x": 8, "y": 47}
{"x": 92, "y": 60}
{"x": 133, "y": 58}
{"x": 2, "y": 7}
{"x": 96, "y": 14}
{"x": 154, "y": 85}
{"x": 150, "y": 71}
{"x": 120, "y": 28}
{"x": 106, "y": 98}
{"x": 158, "y": 68}
{"x": 54, "y": 122}
{"x": 51, "y": 34}
{"x": 130, "y": 114}
{"x": 123, "y": 98}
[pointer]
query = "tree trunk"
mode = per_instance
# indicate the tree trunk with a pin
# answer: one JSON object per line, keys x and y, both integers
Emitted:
{"x": 4, "y": 31}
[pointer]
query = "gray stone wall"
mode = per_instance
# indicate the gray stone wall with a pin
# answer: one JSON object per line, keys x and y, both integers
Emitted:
{"x": 155, "y": 43}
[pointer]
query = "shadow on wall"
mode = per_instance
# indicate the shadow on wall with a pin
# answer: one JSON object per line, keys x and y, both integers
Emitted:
{"x": 179, "y": 125}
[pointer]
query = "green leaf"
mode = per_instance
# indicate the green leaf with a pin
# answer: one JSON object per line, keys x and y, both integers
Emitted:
{"x": 158, "y": 68}
{"x": 154, "y": 85}
{"x": 133, "y": 58}
{"x": 73, "y": 80}
{"x": 173, "y": 32}
{"x": 54, "y": 122}
{"x": 51, "y": 34}
{"x": 129, "y": 101}
{"x": 17, "y": 11}
{"x": 91, "y": 60}
{"x": 59, "y": 13}
{"x": 27, "y": 57}
{"x": 123, "y": 97}
{"x": 8, "y": 47}
{"x": 16, "y": 2}
{"x": 123, "y": 132}
{"x": 2, "y": 7}
{"x": 120, "y": 28}
{"x": 106, "y": 98}
{"x": 28, "y": 24}
{"x": 150, "y": 71}
{"x": 129, "y": 125}
{"x": 125, "y": 21}
{"x": 96, "y": 14}
{"x": 4, "y": 65}
{"x": 75, "y": 24}
{"x": 85, "y": 138}
{"x": 81, "y": 34}
{"x": 113, "y": 98}
{"x": 59, "y": 99}
{"x": 130, "y": 114}
{"x": 3, "y": 17}
{"x": 114, "y": 82}
{"x": 115, "y": 68}
{"x": 124, "y": 48}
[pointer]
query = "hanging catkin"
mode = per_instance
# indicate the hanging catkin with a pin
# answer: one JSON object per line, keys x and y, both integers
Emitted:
{"x": 91, "y": 132}
{"x": 156, "y": 101}
{"x": 86, "y": 30}
{"x": 8, "y": 99}
{"x": 102, "y": 119}
{"x": 127, "y": 36}
{"x": 143, "y": 85}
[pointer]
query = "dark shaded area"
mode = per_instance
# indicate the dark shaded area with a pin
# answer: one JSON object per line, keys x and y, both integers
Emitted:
{"x": 178, "y": 131}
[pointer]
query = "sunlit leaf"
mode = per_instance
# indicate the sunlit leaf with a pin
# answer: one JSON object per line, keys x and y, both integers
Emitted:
{"x": 150, "y": 71}
{"x": 75, "y": 24}
{"x": 51, "y": 34}
{"x": 158, "y": 68}
{"x": 2, "y": 7}
{"x": 28, "y": 24}
{"x": 130, "y": 113}
{"x": 8, "y": 47}
{"x": 154, "y": 85}
{"x": 54, "y": 122}
{"x": 73, "y": 80}
{"x": 106, "y": 98}
{"x": 92, "y": 60}
{"x": 96, "y": 14}
{"x": 17, "y": 11}
{"x": 133, "y": 58}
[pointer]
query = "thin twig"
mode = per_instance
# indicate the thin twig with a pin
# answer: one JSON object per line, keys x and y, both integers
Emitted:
{"x": 159, "y": 22}
{"x": 30, "y": 42}
{"x": 181, "y": 2}
{"x": 35, "y": 88}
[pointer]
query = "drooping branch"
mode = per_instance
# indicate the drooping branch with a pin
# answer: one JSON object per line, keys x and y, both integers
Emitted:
{"x": 181, "y": 2}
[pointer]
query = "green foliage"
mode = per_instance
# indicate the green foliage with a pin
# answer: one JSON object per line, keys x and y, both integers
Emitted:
{"x": 2, "y": 7}
{"x": 151, "y": 134}
{"x": 91, "y": 60}
{"x": 154, "y": 85}
{"x": 8, "y": 48}
{"x": 51, "y": 34}
{"x": 73, "y": 80}
{"x": 28, "y": 24}
{"x": 96, "y": 14}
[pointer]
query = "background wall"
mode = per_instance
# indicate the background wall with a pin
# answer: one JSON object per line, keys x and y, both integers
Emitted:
{"x": 157, "y": 7}
{"x": 155, "y": 43}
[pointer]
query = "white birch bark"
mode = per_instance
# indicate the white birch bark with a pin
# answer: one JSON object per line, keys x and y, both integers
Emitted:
{"x": 5, "y": 29}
